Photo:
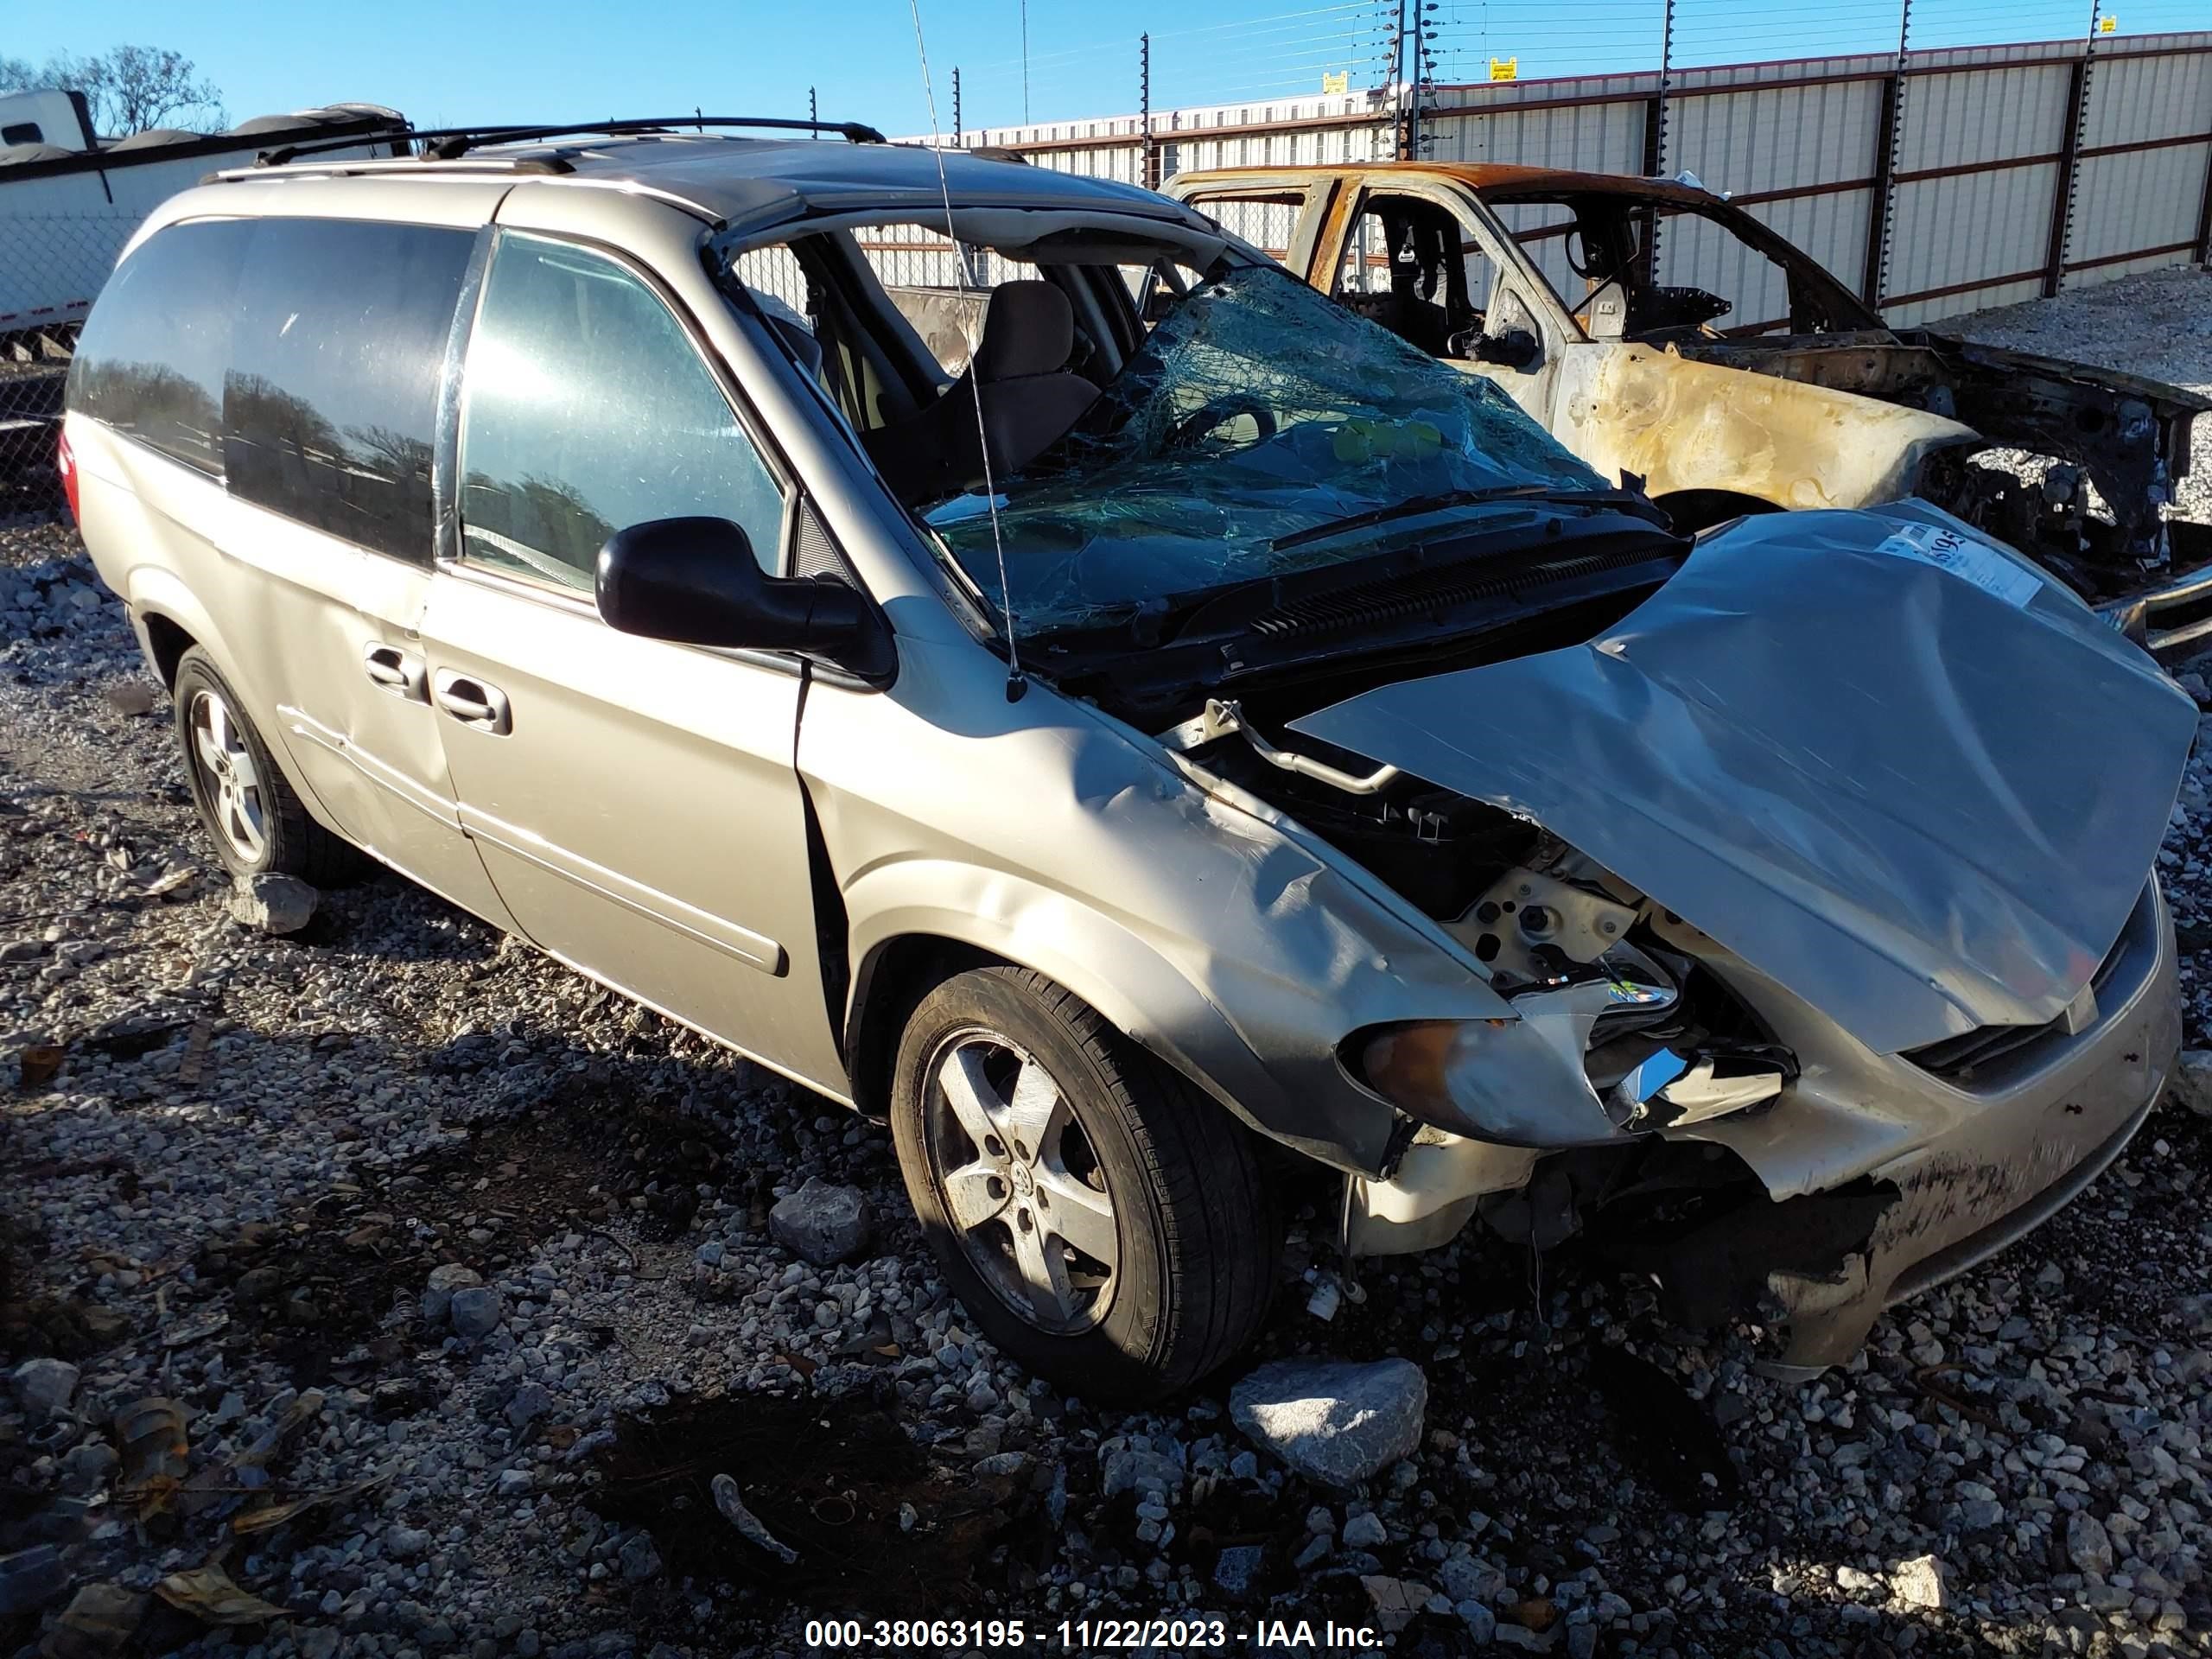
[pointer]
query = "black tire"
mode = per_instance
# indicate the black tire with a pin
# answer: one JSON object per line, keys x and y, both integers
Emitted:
{"x": 1198, "y": 1236}
{"x": 291, "y": 841}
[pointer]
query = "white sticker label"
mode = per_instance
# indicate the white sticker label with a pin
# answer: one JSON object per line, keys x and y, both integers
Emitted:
{"x": 1965, "y": 558}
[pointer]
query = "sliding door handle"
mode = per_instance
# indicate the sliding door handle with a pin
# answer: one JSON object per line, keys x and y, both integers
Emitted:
{"x": 398, "y": 672}
{"x": 472, "y": 702}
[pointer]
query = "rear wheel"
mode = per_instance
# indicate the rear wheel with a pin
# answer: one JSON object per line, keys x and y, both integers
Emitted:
{"x": 1104, "y": 1223}
{"x": 251, "y": 811}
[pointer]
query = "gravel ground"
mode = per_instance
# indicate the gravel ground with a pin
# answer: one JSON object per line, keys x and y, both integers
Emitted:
{"x": 2158, "y": 324}
{"x": 232, "y": 1190}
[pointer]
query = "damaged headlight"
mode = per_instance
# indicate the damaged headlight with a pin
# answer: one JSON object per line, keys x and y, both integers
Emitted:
{"x": 1552, "y": 1076}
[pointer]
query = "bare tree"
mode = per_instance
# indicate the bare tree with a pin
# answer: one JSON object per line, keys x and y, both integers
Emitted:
{"x": 128, "y": 89}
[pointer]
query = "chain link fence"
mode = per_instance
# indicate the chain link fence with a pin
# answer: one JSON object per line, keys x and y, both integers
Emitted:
{"x": 34, "y": 366}
{"x": 50, "y": 265}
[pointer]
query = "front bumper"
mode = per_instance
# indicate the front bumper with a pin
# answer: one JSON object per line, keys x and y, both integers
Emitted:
{"x": 2005, "y": 1145}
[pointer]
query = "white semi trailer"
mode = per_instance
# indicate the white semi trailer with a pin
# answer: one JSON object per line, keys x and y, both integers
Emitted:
{"x": 68, "y": 202}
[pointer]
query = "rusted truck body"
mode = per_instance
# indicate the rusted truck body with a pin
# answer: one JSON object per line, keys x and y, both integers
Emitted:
{"x": 1787, "y": 391}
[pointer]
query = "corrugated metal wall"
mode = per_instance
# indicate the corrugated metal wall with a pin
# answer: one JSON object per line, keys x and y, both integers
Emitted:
{"x": 1985, "y": 139}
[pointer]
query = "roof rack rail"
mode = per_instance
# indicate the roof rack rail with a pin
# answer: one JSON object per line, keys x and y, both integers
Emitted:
{"x": 450, "y": 143}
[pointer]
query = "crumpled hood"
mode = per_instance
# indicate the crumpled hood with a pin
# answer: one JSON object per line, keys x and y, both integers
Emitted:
{"x": 1884, "y": 761}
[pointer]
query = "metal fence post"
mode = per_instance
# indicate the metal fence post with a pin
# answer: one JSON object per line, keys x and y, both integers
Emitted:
{"x": 1401, "y": 113}
{"x": 1655, "y": 133}
{"x": 1889, "y": 134}
{"x": 1145, "y": 175}
{"x": 2069, "y": 158}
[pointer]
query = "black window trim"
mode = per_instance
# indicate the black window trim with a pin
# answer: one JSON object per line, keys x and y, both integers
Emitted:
{"x": 449, "y": 557}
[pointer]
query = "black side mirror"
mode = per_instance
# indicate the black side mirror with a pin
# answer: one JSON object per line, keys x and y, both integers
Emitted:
{"x": 1516, "y": 348}
{"x": 693, "y": 582}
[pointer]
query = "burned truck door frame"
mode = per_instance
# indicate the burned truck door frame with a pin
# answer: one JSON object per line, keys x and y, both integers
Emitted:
{"x": 1313, "y": 197}
{"x": 1519, "y": 296}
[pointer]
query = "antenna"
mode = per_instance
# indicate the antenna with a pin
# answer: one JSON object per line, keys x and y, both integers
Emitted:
{"x": 957, "y": 142}
{"x": 1016, "y": 682}
{"x": 1025, "y": 62}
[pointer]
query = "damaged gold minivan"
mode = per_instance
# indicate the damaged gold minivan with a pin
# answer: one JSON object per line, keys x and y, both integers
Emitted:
{"x": 1192, "y": 718}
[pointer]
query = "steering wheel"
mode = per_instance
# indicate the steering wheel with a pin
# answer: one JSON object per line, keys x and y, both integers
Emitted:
{"x": 1211, "y": 417}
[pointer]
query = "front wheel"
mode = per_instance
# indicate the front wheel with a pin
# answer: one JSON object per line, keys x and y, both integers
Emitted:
{"x": 1105, "y": 1223}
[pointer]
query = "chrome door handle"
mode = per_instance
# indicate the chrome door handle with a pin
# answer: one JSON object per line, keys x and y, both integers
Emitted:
{"x": 472, "y": 702}
{"x": 398, "y": 672}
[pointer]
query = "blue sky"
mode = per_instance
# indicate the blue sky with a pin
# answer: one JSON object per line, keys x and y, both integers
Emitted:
{"x": 560, "y": 59}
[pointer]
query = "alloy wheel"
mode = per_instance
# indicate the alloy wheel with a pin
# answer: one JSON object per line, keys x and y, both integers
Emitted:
{"x": 1021, "y": 1184}
{"x": 228, "y": 773}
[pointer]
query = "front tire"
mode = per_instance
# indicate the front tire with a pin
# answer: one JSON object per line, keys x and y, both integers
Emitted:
{"x": 246, "y": 804}
{"x": 1106, "y": 1224}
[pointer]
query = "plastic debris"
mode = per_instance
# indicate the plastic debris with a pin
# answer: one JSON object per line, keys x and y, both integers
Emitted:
{"x": 98, "y": 1622}
{"x": 731, "y": 1503}
{"x": 208, "y": 1594}
{"x": 156, "y": 1454}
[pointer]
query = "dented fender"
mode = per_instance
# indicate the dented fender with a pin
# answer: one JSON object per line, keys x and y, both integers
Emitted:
{"x": 1224, "y": 939}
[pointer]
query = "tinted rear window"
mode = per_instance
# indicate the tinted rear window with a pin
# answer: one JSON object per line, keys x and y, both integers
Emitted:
{"x": 330, "y": 408}
{"x": 299, "y": 358}
{"x": 150, "y": 361}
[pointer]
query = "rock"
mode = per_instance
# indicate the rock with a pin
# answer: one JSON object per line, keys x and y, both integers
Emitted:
{"x": 1002, "y": 1463}
{"x": 45, "y": 1387}
{"x": 1924, "y": 1581}
{"x": 1136, "y": 1464}
{"x": 319, "y": 1643}
{"x": 640, "y": 1560}
{"x": 2088, "y": 1545}
{"x": 89, "y": 1465}
{"x": 1335, "y": 1422}
{"x": 514, "y": 1483}
{"x": 405, "y": 1543}
{"x": 130, "y": 697}
{"x": 1396, "y": 1602}
{"x": 1481, "y": 1623}
{"x": 821, "y": 1223}
{"x": 1581, "y": 1642}
{"x": 1365, "y": 1532}
{"x": 2192, "y": 1085}
{"x": 30, "y": 1579}
{"x": 438, "y": 1293}
{"x": 530, "y": 1404}
{"x": 1236, "y": 1568}
{"x": 476, "y": 1312}
{"x": 275, "y": 904}
{"x": 1464, "y": 1578}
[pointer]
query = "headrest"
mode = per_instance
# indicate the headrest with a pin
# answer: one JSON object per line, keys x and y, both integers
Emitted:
{"x": 1028, "y": 329}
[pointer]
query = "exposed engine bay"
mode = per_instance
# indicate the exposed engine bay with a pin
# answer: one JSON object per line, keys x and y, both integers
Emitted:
{"x": 1573, "y": 947}
{"x": 1746, "y": 933}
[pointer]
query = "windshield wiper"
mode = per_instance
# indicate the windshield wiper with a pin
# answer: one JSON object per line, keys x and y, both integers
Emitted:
{"x": 1620, "y": 500}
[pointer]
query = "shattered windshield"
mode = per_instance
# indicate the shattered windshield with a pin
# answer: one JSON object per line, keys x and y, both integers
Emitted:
{"x": 1257, "y": 414}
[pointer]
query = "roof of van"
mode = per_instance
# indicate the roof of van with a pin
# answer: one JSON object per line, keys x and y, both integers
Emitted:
{"x": 753, "y": 181}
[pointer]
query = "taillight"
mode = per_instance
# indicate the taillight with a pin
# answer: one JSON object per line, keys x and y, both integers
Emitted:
{"x": 65, "y": 463}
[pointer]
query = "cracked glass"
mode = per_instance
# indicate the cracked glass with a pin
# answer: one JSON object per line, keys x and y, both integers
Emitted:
{"x": 1257, "y": 414}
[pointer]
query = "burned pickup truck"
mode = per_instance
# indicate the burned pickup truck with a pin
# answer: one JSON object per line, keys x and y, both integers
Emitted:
{"x": 1778, "y": 387}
